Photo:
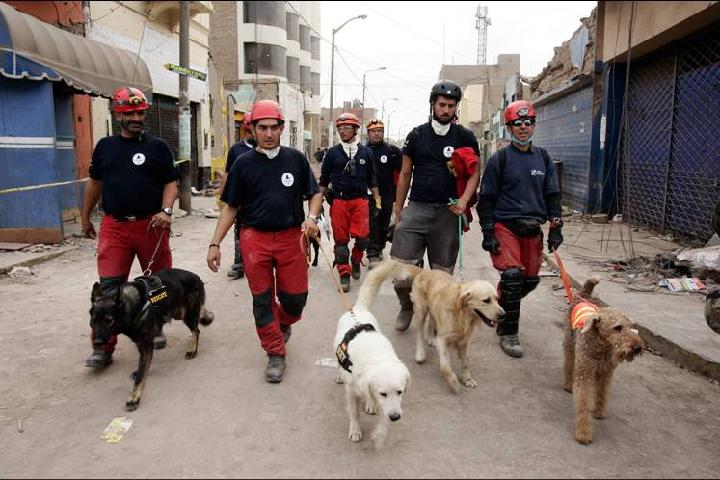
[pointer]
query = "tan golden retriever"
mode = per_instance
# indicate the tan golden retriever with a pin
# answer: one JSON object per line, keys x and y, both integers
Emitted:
{"x": 451, "y": 308}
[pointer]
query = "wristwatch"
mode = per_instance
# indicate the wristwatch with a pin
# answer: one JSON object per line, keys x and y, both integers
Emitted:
{"x": 168, "y": 210}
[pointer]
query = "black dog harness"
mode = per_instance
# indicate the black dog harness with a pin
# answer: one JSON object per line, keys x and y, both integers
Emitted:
{"x": 156, "y": 294}
{"x": 341, "y": 353}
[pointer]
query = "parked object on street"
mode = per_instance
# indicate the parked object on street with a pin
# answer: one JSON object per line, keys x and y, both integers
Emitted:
{"x": 139, "y": 308}
{"x": 597, "y": 339}
{"x": 712, "y": 309}
{"x": 367, "y": 364}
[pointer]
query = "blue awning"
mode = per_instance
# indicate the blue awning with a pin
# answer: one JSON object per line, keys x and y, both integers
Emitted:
{"x": 35, "y": 50}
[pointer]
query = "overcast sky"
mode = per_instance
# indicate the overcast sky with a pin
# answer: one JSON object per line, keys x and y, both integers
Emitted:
{"x": 413, "y": 39}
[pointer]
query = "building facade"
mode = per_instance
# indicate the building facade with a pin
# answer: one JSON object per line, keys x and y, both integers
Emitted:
{"x": 271, "y": 50}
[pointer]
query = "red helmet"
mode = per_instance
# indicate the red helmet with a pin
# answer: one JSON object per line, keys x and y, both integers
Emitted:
{"x": 129, "y": 99}
{"x": 247, "y": 121}
{"x": 347, "y": 118}
{"x": 264, "y": 109}
{"x": 519, "y": 109}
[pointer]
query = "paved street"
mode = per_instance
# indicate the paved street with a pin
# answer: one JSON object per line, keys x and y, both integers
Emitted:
{"x": 215, "y": 416}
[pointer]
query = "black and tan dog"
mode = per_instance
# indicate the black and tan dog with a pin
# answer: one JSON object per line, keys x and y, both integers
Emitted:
{"x": 139, "y": 308}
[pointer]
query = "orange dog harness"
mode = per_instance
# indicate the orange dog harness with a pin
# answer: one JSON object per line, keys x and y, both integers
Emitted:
{"x": 580, "y": 313}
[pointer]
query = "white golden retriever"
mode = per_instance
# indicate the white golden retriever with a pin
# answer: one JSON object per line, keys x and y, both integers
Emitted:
{"x": 378, "y": 379}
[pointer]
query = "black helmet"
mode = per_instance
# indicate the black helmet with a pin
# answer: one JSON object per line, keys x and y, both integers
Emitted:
{"x": 446, "y": 88}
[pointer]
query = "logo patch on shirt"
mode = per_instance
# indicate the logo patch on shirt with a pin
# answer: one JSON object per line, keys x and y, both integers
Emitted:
{"x": 362, "y": 161}
{"x": 535, "y": 173}
{"x": 138, "y": 159}
{"x": 287, "y": 179}
{"x": 383, "y": 159}
{"x": 448, "y": 151}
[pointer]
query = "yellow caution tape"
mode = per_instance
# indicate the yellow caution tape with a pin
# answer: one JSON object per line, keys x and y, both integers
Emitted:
{"x": 44, "y": 185}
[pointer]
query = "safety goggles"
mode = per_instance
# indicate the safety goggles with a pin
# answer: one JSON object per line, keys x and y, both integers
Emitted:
{"x": 527, "y": 122}
{"x": 343, "y": 128}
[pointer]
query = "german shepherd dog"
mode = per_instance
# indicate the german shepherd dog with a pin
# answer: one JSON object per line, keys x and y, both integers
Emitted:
{"x": 139, "y": 309}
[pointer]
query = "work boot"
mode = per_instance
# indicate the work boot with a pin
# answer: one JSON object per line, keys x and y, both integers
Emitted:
{"x": 236, "y": 271}
{"x": 99, "y": 359}
{"x": 404, "y": 317}
{"x": 159, "y": 341}
{"x": 372, "y": 262}
{"x": 287, "y": 331}
{"x": 355, "y": 270}
{"x": 275, "y": 368}
{"x": 345, "y": 283}
{"x": 510, "y": 344}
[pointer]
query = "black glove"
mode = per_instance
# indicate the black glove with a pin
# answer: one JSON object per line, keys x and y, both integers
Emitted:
{"x": 490, "y": 243}
{"x": 555, "y": 238}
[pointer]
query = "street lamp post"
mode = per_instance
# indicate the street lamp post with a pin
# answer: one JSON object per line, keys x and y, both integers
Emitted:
{"x": 388, "y": 124}
{"x": 382, "y": 114}
{"x": 362, "y": 112}
{"x": 331, "y": 135}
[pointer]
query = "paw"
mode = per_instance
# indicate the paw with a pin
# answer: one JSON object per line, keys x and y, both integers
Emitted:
{"x": 190, "y": 355}
{"x": 131, "y": 404}
{"x": 600, "y": 414}
{"x": 369, "y": 409}
{"x": 133, "y": 375}
{"x": 339, "y": 377}
{"x": 355, "y": 434}
{"x": 432, "y": 341}
{"x": 583, "y": 437}
{"x": 469, "y": 382}
{"x": 568, "y": 388}
{"x": 420, "y": 357}
{"x": 454, "y": 384}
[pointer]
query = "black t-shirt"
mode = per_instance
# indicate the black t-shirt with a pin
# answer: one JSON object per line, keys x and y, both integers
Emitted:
{"x": 521, "y": 185}
{"x": 269, "y": 193}
{"x": 432, "y": 181}
{"x": 388, "y": 160}
{"x": 133, "y": 173}
{"x": 235, "y": 151}
{"x": 345, "y": 184}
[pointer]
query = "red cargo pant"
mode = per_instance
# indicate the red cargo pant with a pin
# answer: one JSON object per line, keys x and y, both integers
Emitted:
{"x": 118, "y": 244}
{"x": 525, "y": 253}
{"x": 277, "y": 273}
{"x": 350, "y": 218}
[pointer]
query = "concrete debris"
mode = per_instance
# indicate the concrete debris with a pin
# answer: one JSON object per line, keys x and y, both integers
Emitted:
{"x": 20, "y": 272}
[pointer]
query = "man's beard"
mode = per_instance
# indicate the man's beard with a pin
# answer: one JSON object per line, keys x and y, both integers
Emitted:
{"x": 442, "y": 122}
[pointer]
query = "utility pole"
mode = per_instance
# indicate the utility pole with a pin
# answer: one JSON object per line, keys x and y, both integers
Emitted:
{"x": 184, "y": 153}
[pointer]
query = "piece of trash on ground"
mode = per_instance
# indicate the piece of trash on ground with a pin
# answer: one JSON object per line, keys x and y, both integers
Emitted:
{"x": 117, "y": 429}
{"x": 327, "y": 362}
{"x": 684, "y": 284}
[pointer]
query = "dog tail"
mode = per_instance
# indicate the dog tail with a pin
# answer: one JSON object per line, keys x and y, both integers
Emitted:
{"x": 380, "y": 273}
{"x": 588, "y": 287}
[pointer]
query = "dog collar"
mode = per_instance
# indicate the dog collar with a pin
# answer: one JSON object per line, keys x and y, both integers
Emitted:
{"x": 341, "y": 352}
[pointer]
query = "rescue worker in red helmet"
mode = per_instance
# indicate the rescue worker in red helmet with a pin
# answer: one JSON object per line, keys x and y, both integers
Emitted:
{"x": 136, "y": 176}
{"x": 388, "y": 160}
{"x": 245, "y": 144}
{"x": 349, "y": 166}
{"x": 518, "y": 194}
{"x": 264, "y": 194}
{"x": 430, "y": 221}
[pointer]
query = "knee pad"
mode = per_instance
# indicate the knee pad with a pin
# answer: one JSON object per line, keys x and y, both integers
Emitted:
{"x": 293, "y": 303}
{"x": 262, "y": 309}
{"x": 529, "y": 284}
{"x": 342, "y": 253}
{"x": 511, "y": 283}
{"x": 109, "y": 284}
{"x": 362, "y": 243}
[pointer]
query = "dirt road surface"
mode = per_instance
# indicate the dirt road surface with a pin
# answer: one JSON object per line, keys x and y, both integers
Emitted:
{"x": 215, "y": 416}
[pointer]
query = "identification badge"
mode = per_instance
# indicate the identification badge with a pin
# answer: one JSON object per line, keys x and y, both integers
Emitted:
{"x": 158, "y": 296}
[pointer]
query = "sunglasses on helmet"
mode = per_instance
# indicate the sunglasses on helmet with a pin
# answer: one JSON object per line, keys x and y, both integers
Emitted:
{"x": 527, "y": 122}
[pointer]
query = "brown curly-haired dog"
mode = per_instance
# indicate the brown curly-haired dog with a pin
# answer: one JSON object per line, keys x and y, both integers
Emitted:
{"x": 592, "y": 351}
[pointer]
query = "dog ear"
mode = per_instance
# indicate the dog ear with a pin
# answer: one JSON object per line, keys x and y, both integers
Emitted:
{"x": 590, "y": 323}
{"x": 96, "y": 292}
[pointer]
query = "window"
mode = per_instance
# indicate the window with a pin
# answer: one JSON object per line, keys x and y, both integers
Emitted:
{"x": 315, "y": 48}
{"x": 304, "y": 38}
{"x": 315, "y": 83}
{"x": 265, "y": 13}
{"x": 292, "y": 26}
{"x": 293, "y": 70}
{"x": 304, "y": 78}
{"x": 265, "y": 59}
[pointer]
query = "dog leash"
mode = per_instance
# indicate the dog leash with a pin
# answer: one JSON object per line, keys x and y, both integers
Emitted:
{"x": 462, "y": 221}
{"x": 564, "y": 277}
{"x": 148, "y": 271}
{"x": 343, "y": 296}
